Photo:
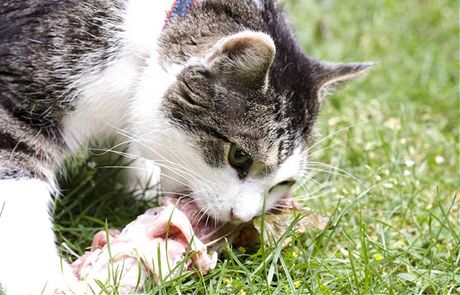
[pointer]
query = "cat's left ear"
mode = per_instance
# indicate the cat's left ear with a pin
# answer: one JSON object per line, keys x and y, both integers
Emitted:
{"x": 244, "y": 58}
{"x": 331, "y": 75}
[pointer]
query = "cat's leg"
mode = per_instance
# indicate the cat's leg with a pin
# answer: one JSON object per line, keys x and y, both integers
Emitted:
{"x": 29, "y": 261}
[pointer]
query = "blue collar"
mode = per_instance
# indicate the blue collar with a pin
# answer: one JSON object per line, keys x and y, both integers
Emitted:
{"x": 179, "y": 8}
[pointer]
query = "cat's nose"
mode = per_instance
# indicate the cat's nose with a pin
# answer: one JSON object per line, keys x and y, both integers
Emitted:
{"x": 235, "y": 217}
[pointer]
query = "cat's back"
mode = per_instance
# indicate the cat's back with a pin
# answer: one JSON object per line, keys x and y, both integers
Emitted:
{"x": 43, "y": 44}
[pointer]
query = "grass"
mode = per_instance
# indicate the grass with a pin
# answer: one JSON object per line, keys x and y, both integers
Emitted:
{"x": 393, "y": 196}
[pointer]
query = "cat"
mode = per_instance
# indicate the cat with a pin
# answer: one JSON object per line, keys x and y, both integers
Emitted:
{"x": 216, "y": 93}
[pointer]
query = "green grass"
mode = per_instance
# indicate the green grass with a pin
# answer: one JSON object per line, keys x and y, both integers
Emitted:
{"x": 393, "y": 198}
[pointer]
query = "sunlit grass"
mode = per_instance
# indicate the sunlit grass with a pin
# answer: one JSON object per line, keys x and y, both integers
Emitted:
{"x": 393, "y": 196}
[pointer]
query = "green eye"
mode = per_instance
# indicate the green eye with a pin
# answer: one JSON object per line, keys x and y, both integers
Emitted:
{"x": 238, "y": 158}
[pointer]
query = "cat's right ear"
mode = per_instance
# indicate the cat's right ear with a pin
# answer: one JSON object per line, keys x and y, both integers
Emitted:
{"x": 331, "y": 75}
{"x": 244, "y": 58}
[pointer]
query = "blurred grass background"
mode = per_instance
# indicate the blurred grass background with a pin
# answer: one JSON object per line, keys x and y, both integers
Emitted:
{"x": 386, "y": 169}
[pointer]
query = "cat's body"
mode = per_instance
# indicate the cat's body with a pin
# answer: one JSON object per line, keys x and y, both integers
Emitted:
{"x": 221, "y": 99}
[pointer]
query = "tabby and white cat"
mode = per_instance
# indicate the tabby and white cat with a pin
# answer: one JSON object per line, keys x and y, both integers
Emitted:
{"x": 218, "y": 94}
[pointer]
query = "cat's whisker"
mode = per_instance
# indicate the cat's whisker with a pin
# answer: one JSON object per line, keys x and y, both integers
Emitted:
{"x": 203, "y": 214}
{"x": 317, "y": 188}
{"x": 318, "y": 151}
{"x": 310, "y": 179}
{"x": 318, "y": 142}
{"x": 207, "y": 217}
{"x": 134, "y": 157}
{"x": 312, "y": 196}
{"x": 184, "y": 196}
{"x": 146, "y": 170}
{"x": 195, "y": 213}
{"x": 336, "y": 171}
{"x": 141, "y": 141}
{"x": 190, "y": 171}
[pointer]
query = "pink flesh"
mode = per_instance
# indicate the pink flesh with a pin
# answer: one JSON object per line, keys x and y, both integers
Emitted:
{"x": 165, "y": 228}
{"x": 100, "y": 238}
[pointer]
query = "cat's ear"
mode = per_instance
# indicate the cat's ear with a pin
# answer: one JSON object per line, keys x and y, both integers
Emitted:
{"x": 244, "y": 58}
{"x": 331, "y": 75}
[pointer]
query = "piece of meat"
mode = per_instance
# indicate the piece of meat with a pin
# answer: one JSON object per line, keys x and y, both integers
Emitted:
{"x": 173, "y": 237}
{"x": 154, "y": 245}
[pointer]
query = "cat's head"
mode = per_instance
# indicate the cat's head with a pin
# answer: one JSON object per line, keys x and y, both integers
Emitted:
{"x": 240, "y": 120}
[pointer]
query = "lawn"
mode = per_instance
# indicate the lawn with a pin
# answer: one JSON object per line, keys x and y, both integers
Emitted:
{"x": 385, "y": 168}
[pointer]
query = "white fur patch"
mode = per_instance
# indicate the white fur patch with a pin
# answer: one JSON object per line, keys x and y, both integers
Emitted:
{"x": 102, "y": 103}
{"x": 29, "y": 262}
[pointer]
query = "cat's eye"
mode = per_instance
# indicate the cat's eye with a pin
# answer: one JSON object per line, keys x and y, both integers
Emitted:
{"x": 238, "y": 158}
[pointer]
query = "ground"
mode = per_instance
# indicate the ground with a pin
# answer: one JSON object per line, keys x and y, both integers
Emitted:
{"x": 385, "y": 167}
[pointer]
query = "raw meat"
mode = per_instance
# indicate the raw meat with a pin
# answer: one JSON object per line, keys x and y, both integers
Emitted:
{"x": 174, "y": 237}
{"x": 154, "y": 245}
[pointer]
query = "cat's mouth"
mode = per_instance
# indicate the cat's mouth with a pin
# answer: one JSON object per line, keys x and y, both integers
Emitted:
{"x": 208, "y": 229}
